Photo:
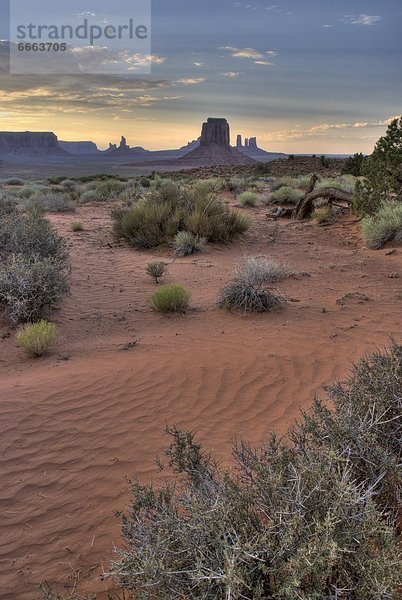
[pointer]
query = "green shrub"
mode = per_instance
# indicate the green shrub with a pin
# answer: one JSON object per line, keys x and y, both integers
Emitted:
{"x": 355, "y": 165}
{"x": 186, "y": 243}
{"x": 156, "y": 270}
{"x": 382, "y": 173}
{"x": 76, "y": 226}
{"x": 247, "y": 291}
{"x": 171, "y": 298}
{"x": 248, "y": 199}
{"x": 385, "y": 226}
{"x": 37, "y": 338}
{"x": 286, "y": 194}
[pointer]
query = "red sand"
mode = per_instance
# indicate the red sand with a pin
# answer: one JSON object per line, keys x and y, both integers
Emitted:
{"x": 77, "y": 422}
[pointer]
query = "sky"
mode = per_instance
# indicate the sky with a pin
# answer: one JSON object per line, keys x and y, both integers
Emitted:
{"x": 303, "y": 76}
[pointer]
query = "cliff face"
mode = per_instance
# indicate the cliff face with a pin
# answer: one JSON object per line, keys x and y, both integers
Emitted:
{"x": 29, "y": 144}
{"x": 79, "y": 147}
{"x": 215, "y": 131}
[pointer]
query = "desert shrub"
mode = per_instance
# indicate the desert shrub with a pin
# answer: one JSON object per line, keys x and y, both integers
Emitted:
{"x": 69, "y": 184}
{"x": 170, "y": 298}
{"x": 109, "y": 189}
{"x": 13, "y": 181}
{"x": 323, "y": 214}
{"x": 145, "y": 182}
{"x": 236, "y": 184}
{"x": 170, "y": 209}
{"x": 88, "y": 196}
{"x": 36, "y": 339}
{"x": 30, "y": 286}
{"x": 56, "y": 180}
{"x": 247, "y": 291}
{"x": 144, "y": 226}
{"x": 54, "y": 202}
{"x": 354, "y": 165}
{"x": 385, "y": 226}
{"x": 186, "y": 243}
{"x": 7, "y": 204}
{"x": 28, "y": 191}
{"x": 157, "y": 270}
{"x": 382, "y": 173}
{"x": 286, "y": 194}
{"x": 76, "y": 226}
{"x": 90, "y": 186}
{"x": 248, "y": 199}
{"x": 31, "y": 234}
{"x": 310, "y": 516}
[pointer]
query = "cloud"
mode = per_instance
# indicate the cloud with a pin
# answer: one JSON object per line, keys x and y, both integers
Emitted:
{"x": 232, "y": 74}
{"x": 322, "y": 129}
{"x": 190, "y": 81}
{"x": 259, "y": 57}
{"x": 366, "y": 20}
{"x": 25, "y": 99}
{"x": 198, "y": 64}
{"x": 243, "y": 52}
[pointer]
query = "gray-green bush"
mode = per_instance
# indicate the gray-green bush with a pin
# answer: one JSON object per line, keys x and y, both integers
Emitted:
{"x": 170, "y": 209}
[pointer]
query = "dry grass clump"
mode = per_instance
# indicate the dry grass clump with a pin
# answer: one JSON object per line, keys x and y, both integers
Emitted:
{"x": 156, "y": 270}
{"x": 322, "y": 215}
{"x": 171, "y": 298}
{"x": 186, "y": 243}
{"x": 37, "y": 338}
{"x": 76, "y": 226}
{"x": 385, "y": 226}
{"x": 247, "y": 291}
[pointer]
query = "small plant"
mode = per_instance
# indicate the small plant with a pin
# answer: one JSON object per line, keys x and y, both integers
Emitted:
{"x": 108, "y": 190}
{"x": 322, "y": 215}
{"x": 385, "y": 226}
{"x": 37, "y": 338}
{"x": 248, "y": 199}
{"x": 247, "y": 292}
{"x": 171, "y": 298}
{"x": 76, "y": 226}
{"x": 186, "y": 243}
{"x": 156, "y": 270}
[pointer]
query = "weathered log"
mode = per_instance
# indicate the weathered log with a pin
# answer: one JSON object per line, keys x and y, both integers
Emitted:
{"x": 305, "y": 206}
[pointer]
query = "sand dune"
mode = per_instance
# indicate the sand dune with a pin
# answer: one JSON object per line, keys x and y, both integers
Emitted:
{"x": 76, "y": 423}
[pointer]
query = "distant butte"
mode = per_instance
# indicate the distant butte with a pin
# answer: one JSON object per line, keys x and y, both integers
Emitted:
{"x": 214, "y": 147}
